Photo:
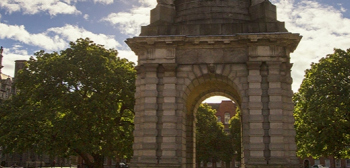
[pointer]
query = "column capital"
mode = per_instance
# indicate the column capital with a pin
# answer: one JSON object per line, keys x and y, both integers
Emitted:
{"x": 252, "y": 65}
{"x": 150, "y": 67}
{"x": 274, "y": 64}
{"x": 169, "y": 66}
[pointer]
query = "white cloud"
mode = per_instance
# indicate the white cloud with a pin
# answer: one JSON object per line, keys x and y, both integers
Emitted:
{"x": 53, "y": 7}
{"x": 130, "y": 22}
{"x": 148, "y": 3}
{"x": 86, "y": 16}
{"x": 56, "y": 38}
{"x": 106, "y": 2}
{"x": 71, "y": 33}
{"x": 128, "y": 54}
{"x": 72, "y": 1}
{"x": 19, "y": 33}
{"x": 10, "y": 56}
{"x": 323, "y": 28}
{"x": 53, "y": 39}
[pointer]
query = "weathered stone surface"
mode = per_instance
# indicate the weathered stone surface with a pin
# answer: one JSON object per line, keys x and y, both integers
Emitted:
{"x": 232, "y": 48}
{"x": 162, "y": 14}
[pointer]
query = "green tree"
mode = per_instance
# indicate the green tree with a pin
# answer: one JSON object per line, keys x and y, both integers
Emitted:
{"x": 226, "y": 148}
{"x": 235, "y": 134}
{"x": 322, "y": 103}
{"x": 79, "y": 101}
{"x": 209, "y": 135}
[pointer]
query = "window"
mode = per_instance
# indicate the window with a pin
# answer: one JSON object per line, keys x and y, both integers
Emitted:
{"x": 237, "y": 163}
{"x": 327, "y": 163}
{"x": 347, "y": 162}
{"x": 219, "y": 118}
{"x": 317, "y": 161}
{"x": 306, "y": 164}
{"x": 114, "y": 162}
{"x": 218, "y": 164}
{"x": 338, "y": 163}
{"x": 227, "y": 118}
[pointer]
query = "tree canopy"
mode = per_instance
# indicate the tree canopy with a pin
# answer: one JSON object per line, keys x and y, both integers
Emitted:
{"x": 235, "y": 134}
{"x": 213, "y": 144}
{"x": 208, "y": 134}
{"x": 322, "y": 108}
{"x": 78, "y": 101}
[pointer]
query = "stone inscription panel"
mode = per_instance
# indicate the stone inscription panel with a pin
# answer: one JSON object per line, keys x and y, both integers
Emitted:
{"x": 225, "y": 55}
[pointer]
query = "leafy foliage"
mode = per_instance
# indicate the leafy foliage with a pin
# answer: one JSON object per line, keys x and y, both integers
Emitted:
{"x": 322, "y": 108}
{"x": 212, "y": 143}
{"x": 79, "y": 101}
{"x": 235, "y": 134}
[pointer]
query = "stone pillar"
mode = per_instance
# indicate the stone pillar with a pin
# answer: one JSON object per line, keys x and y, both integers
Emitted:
{"x": 289, "y": 131}
{"x": 255, "y": 152}
{"x": 276, "y": 114}
{"x": 169, "y": 146}
{"x": 145, "y": 133}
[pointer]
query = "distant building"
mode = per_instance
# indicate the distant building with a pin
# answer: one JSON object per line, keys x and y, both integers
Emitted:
{"x": 324, "y": 161}
{"x": 224, "y": 111}
{"x": 5, "y": 82}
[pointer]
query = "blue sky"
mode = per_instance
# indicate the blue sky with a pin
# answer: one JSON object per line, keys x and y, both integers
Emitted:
{"x": 27, "y": 26}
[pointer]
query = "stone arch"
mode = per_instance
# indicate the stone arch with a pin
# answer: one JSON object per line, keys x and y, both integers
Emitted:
{"x": 306, "y": 163}
{"x": 208, "y": 85}
{"x": 175, "y": 73}
{"x": 199, "y": 89}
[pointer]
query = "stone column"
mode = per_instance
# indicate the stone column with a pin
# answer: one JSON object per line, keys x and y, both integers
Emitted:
{"x": 169, "y": 146}
{"x": 145, "y": 133}
{"x": 255, "y": 151}
{"x": 276, "y": 114}
{"x": 289, "y": 131}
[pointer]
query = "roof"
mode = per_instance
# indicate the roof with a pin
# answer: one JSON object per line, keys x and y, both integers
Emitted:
{"x": 4, "y": 76}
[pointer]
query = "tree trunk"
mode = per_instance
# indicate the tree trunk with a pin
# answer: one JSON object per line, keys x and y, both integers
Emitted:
{"x": 86, "y": 158}
{"x": 198, "y": 164}
{"x": 117, "y": 162}
{"x": 333, "y": 163}
{"x": 98, "y": 160}
{"x": 227, "y": 164}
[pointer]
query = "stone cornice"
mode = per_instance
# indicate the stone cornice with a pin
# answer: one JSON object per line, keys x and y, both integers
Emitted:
{"x": 288, "y": 40}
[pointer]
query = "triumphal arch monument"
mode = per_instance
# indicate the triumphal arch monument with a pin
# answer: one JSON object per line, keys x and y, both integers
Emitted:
{"x": 195, "y": 49}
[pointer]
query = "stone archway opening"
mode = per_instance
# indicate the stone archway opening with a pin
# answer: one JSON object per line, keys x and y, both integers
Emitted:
{"x": 218, "y": 129}
{"x": 202, "y": 88}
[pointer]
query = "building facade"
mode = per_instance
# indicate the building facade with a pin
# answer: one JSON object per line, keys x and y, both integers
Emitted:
{"x": 224, "y": 112}
{"x": 325, "y": 162}
{"x": 5, "y": 82}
